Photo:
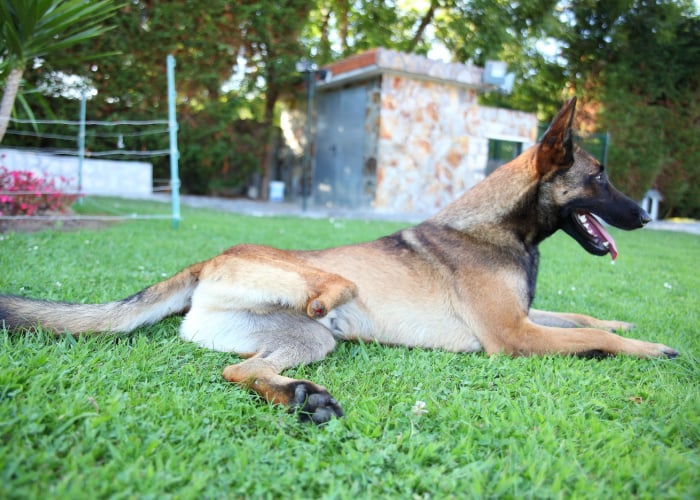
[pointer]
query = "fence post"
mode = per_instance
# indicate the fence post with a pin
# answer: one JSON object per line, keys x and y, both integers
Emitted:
{"x": 81, "y": 144}
{"x": 174, "y": 154}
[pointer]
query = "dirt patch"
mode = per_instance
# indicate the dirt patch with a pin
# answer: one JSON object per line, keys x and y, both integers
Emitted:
{"x": 56, "y": 222}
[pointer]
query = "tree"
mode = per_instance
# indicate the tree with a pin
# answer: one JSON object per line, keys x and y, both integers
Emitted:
{"x": 340, "y": 28}
{"x": 636, "y": 61}
{"x": 471, "y": 30}
{"x": 632, "y": 63}
{"x": 234, "y": 62}
{"x": 479, "y": 30}
{"x": 651, "y": 104}
{"x": 271, "y": 33}
{"x": 33, "y": 29}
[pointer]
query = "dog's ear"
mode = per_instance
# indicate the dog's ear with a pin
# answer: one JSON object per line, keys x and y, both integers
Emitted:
{"x": 556, "y": 148}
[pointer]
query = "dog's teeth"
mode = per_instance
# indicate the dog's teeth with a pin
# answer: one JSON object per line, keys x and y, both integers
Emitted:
{"x": 606, "y": 244}
{"x": 583, "y": 218}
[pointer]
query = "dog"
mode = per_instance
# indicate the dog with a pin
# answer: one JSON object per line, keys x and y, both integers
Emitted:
{"x": 462, "y": 280}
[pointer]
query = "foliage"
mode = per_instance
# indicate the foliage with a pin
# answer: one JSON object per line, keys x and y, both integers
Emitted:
{"x": 471, "y": 31}
{"x": 650, "y": 92}
{"x": 339, "y": 28}
{"x": 262, "y": 37}
{"x": 38, "y": 29}
{"x": 134, "y": 86}
{"x": 148, "y": 415}
{"x": 271, "y": 32}
{"x": 225, "y": 150}
{"x": 631, "y": 63}
{"x": 24, "y": 193}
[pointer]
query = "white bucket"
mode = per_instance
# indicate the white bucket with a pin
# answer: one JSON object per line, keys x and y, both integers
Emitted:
{"x": 276, "y": 191}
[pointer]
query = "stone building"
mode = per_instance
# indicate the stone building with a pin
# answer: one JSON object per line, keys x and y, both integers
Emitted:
{"x": 402, "y": 133}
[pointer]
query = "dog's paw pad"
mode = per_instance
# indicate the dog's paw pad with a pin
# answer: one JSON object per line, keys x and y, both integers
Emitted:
{"x": 314, "y": 404}
{"x": 316, "y": 309}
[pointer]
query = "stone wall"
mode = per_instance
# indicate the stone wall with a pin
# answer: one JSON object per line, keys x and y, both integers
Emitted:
{"x": 433, "y": 142}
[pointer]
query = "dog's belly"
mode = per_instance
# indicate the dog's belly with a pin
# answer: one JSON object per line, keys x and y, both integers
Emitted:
{"x": 225, "y": 331}
{"x": 411, "y": 327}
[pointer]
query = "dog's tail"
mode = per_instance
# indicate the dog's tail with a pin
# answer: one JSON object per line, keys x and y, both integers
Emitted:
{"x": 150, "y": 305}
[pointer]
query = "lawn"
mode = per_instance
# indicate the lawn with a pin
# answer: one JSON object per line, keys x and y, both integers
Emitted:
{"x": 149, "y": 416}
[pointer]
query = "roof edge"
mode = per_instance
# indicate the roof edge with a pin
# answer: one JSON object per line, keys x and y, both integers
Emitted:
{"x": 381, "y": 61}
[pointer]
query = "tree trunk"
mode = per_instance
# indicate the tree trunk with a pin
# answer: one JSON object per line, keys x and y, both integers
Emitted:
{"x": 8, "y": 98}
{"x": 343, "y": 23}
{"x": 424, "y": 22}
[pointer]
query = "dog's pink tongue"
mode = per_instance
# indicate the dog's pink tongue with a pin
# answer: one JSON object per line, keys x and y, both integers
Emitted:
{"x": 600, "y": 231}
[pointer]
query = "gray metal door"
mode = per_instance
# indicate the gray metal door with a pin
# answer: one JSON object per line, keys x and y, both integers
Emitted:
{"x": 339, "y": 147}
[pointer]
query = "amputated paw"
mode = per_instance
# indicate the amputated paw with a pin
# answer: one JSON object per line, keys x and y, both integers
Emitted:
{"x": 312, "y": 403}
{"x": 316, "y": 309}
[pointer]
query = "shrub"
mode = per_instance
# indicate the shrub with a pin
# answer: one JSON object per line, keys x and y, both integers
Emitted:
{"x": 22, "y": 192}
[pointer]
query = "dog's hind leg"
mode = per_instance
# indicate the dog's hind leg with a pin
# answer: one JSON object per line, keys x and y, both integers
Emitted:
{"x": 262, "y": 279}
{"x": 574, "y": 320}
{"x": 292, "y": 340}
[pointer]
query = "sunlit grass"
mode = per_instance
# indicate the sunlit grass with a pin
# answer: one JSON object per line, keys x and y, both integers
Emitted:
{"x": 149, "y": 415}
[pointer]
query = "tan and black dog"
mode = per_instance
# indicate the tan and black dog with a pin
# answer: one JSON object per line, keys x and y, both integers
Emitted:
{"x": 463, "y": 280}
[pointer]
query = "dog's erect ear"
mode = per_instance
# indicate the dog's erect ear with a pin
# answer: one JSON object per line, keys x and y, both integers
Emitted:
{"x": 556, "y": 149}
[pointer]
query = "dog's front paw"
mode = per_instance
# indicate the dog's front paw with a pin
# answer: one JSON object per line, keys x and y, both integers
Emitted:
{"x": 652, "y": 350}
{"x": 667, "y": 351}
{"x": 314, "y": 404}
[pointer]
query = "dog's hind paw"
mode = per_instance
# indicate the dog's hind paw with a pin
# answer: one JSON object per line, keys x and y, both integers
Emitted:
{"x": 313, "y": 403}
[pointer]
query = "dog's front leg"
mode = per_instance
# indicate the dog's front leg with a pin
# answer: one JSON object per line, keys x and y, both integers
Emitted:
{"x": 574, "y": 320}
{"x": 505, "y": 327}
{"x": 528, "y": 338}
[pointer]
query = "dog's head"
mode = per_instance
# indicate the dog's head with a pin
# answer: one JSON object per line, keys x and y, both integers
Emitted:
{"x": 577, "y": 185}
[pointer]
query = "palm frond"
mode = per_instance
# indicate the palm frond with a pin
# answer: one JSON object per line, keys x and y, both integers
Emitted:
{"x": 37, "y": 28}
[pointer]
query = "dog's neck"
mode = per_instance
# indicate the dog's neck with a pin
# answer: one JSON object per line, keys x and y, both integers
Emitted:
{"x": 503, "y": 207}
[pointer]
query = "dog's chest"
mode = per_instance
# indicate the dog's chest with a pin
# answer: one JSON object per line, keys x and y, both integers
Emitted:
{"x": 532, "y": 264}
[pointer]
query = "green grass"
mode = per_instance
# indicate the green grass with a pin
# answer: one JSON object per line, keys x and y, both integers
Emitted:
{"x": 147, "y": 415}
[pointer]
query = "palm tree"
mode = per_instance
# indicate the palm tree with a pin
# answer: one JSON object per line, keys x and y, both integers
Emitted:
{"x": 31, "y": 29}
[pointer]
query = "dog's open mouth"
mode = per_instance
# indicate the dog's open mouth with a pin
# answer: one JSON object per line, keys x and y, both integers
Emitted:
{"x": 594, "y": 232}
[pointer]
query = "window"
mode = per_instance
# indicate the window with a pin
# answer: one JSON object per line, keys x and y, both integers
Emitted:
{"x": 501, "y": 152}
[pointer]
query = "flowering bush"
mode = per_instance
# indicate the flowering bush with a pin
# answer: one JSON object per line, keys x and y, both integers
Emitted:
{"x": 24, "y": 193}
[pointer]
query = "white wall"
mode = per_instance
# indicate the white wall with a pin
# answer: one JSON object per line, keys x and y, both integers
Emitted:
{"x": 100, "y": 177}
